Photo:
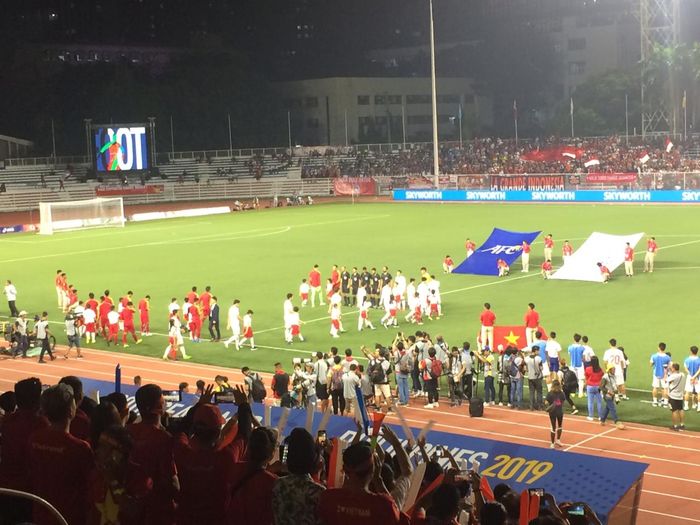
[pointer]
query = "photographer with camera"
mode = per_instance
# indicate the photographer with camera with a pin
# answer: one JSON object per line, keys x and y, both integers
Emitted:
{"x": 608, "y": 388}
{"x": 379, "y": 370}
{"x": 403, "y": 360}
{"x": 504, "y": 378}
{"x": 19, "y": 335}
{"x": 455, "y": 371}
{"x": 470, "y": 365}
{"x": 488, "y": 360}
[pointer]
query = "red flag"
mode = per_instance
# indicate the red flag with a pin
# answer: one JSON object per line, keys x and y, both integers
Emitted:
{"x": 644, "y": 158}
{"x": 513, "y": 335}
{"x": 485, "y": 488}
{"x": 529, "y": 507}
{"x": 592, "y": 162}
{"x": 669, "y": 145}
{"x": 335, "y": 464}
{"x": 376, "y": 419}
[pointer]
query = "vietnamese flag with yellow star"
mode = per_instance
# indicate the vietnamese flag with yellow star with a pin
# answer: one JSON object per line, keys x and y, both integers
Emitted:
{"x": 511, "y": 336}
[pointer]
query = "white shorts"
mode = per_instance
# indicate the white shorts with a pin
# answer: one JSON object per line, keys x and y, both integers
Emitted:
{"x": 382, "y": 390}
{"x": 619, "y": 377}
{"x": 659, "y": 382}
{"x": 692, "y": 388}
{"x": 545, "y": 367}
{"x": 580, "y": 372}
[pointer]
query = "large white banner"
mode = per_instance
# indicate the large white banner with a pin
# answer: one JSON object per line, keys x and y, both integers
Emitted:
{"x": 598, "y": 248}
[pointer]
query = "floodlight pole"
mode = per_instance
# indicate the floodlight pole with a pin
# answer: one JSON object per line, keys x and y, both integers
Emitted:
{"x": 627, "y": 123}
{"x": 172, "y": 137}
{"x": 53, "y": 142}
{"x": 289, "y": 130}
{"x": 230, "y": 137}
{"x": 436, "y": 160}
{"x": 346, "y": 128}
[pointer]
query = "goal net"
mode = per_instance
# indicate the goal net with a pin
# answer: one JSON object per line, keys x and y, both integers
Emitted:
{"x": 76, "y": 215}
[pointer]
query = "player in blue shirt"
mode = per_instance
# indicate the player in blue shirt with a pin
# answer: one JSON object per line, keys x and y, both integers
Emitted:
{"x": 659, "y": 363}
{"x": 692, "y": 385}
{"x": 542, "y": 344}
{"x": 576, "y": 360}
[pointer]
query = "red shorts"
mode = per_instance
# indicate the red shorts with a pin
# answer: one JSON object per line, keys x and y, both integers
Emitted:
{"x": 296, "y": 330}
{"x": 248, "y": 332}
{"x": 335, "y": 323}
{"x": 433, "y": 308}
{"x": 397, "y": 298}
{"x": 363, "y": 315}
{"x": 304, "y": 297}
{"x": 113, "y": 329}
{"x": 206, "y": 312}
{"x": 90, "y": 327}
{"x": 392, "y": 312}
{"x": 417, "y": 311}
{"x": 129, "y": 328}
{"x": 172, "y": 340}
{"x": 144, "y": 318}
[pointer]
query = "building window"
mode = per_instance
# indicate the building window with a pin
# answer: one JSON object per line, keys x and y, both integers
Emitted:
{"x": 379, "y": 100}
{"x": 417, "y": 99}
{"x": 577, "y": 44}
{"x": 448, "y": 99}
{"x": 363, "y": 100}
{"x": 577, "y": 68}
{"x": 394, "y": 99}
{"x": 311, "y": 102}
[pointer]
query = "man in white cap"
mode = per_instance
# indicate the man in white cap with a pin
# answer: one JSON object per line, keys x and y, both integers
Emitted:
{"x": 21, "y": 335}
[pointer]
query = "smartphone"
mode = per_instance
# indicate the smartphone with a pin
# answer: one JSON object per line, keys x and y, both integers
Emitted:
{"x": 536, "y": 492}
{"x": 576, "y": 510}
{"x": 172, "y": 396}
{"x": 283, "y": 453}
{"x": 223, "y": 397}
{"x": 439, "y": 451}
{"x": 476, "y": 466}
{"x": 321, "y": 437}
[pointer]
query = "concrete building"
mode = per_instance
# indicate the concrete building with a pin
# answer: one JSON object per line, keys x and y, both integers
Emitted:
{"x": 337, "y": 110}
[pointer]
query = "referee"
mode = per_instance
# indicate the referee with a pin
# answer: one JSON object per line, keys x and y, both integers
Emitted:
{"x": 675, "y": 397}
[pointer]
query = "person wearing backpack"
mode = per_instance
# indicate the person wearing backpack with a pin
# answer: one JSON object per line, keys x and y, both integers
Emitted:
{"x": 455, "y": 371}
{"x": 432, "y": 370}
{"x": 280, "y": 384}
{"x": 569, "y": 383}
{"x": 335, "y": 383}
{"x": 379, "y": 370}
{"x": 533, "y": 366}
{"x": 254, "y": 386}
{"x": 404, "y": 365}
{"x": 517, "y": 367}
{"x": 504, "y": 358}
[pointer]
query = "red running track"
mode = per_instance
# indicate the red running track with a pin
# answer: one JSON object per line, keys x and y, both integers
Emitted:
{"x": 669, "y": 488}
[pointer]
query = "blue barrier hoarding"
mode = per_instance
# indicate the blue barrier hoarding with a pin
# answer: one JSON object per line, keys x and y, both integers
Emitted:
{"x": 661, "y": 196}
{"x": 598, "y": 480}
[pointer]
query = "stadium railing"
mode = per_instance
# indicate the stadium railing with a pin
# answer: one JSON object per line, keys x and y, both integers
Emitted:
{"x": 10, "y": 493}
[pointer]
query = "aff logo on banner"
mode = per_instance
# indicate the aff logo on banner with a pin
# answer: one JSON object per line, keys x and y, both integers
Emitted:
{"x": 121, "y": 149}
{"x": 501, "y": 244}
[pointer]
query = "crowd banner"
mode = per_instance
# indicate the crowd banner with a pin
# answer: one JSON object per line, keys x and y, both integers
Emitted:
{"x": 609, "y": 196}
{"x": 528, "y": 182}
{"x": 501, "y": 244}
{"x": 149, "y": 189}
{"x": 347, "y": 186}
{"x": 611, "y": 178}
{"x": 557, "y": 153}
{"x": 520, "y": 466}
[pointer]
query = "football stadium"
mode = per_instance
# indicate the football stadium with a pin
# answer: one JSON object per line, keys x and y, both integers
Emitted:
{"x": 385, "y": 287}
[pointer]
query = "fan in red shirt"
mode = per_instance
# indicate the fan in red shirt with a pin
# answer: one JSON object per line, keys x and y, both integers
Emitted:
{"x": 354, "y": 504}
{"x": 151, "y": 463}
{"x": 102, "y": 310}
{"x": 487, "y": 318}
{"x": 205, "y": 469}
{"x": 547, "y": 269}
{"x": 60, "y": 465}
{"x": 16, "y": 429}
{"x": 604, "y": 272}
{"x": 127, "y": 317}
{"x": 192, "y": 295}
{"x": 80, "y": 425}
{"x": 144, "y": 315}
{"x": 205, "y": 302}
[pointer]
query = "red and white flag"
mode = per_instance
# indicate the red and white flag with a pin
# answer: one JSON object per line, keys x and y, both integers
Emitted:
{"x": 592, "y": 162}
{"x": 669, "y": 145}
{"x": 568, "y": 154}
{"x": 644, "y": 158}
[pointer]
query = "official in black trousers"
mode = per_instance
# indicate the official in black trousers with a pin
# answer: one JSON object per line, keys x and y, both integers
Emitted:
{"x": 214, "y": 329}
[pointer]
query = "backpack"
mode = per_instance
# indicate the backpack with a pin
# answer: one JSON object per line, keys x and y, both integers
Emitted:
{"x": 513, "y": 368}
{"x": 435, "y": 368}
{"x": 377, "y": 374}
{"x": 337, "y": 379}
{"x": 257, "y": 389}
{"x": 405, "y": 365}
{"x": 570, "y": 380}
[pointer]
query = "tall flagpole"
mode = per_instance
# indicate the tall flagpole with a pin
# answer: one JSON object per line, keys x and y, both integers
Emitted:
{"x": 685, "y": 115}
{"x": 289, "y": 130}
{"x": 571, "y": 111}
{"x": 172, "y": 137}
{"x": 403, "y": 123}
{"x": 627, "y": 122}
{"x": 515, "y": 120}
{"x": 436, "y": 160}
{"x": 460, "y": 125}
{"x": 230, "y": 137}
{"x": 346, "y": 128}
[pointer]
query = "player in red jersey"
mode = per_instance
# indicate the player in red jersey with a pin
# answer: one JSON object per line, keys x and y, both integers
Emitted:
{"x": 315, "y": 284}
{"x": 144, "y": 315}
{"x": 335, "y": 277}
{"x": 59, "y": 288}
{"x": 503, "y": 268}
{"x": 192, "y": 295}
{"x": 102, "y": 310}
{"x": 566, "y": 251}
{"x": 205, "y": 302}
{"x": 650, "y": 255}
{"x": 470, "y": 247}
{"x": 64, "y": 292}
{"x": 127, "y": 318}
{"x": 194, "y": 318}
{"x": 91, "y": 302}
{"x": 448, "y": 264}
{"x": 72, "y": 300}
{"x": 107, "y": 297}
{"x": 629, "y": 260}
{"x": 487, "y": 318}
{"x": 525, "y": 257}
{"x": 604, "y": 272}
{"x": 546, "y": 269}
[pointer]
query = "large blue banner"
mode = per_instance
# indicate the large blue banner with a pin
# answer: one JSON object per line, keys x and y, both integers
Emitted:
{"x": 598, "y": 480}
{"x": 669, "y": 196}
{"x": 501, "y": 244}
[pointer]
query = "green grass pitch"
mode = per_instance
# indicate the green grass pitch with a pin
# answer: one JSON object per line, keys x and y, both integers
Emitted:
{"x": 258, "y": 257}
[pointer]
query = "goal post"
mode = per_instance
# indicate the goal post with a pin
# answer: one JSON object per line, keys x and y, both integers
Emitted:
{"x": 78, "y": 215}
